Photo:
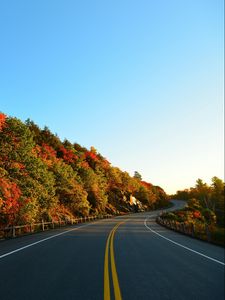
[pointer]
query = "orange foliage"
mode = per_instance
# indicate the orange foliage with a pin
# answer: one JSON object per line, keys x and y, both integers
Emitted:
{"x": 60, "y": 212}
{"x": 18, "y": 165}
{"x": 197, "y": 214}
{"x": 146, "y": 184}
{"x": 84, "y": 165}
{"x": 46, "y": 153}
{"x": 2, "y": 120}
{"x": 105, "y": 164}
{"x": 9, "y": 198}
{"x": 90, "y": 154}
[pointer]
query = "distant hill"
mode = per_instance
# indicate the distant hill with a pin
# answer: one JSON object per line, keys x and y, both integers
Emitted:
{"x": 43, "y": 178}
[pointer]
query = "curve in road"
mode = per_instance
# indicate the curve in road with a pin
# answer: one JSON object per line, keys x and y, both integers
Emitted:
{"x": 141, "y": 259}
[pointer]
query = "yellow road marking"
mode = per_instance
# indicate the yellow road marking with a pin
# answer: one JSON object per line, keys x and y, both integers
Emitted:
{"x": 113, "y": 268}
{"x": 109, "y": 246}
{"x": 106, "y": 271}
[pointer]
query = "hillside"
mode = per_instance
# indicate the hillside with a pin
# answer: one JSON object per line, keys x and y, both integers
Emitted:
{"x": 43, "y": 178}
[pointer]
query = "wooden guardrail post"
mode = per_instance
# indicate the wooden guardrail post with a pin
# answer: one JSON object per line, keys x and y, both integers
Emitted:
{"x": 43, "y": 225}
{"x": 13, "y": 231}
{"x": 208, "y": 235}
{"x": 192, "y": 229}
{"x": 175, "y": 225}
{"x": 182, "y": 227}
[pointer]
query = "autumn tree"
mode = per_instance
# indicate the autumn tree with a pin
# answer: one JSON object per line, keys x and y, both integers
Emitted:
{"x": 25, "y": 169}
{"x": 69, "y": 190}
{"x": 95, "y": 185}
{"x": 2, "y": 120}
{"x": 10, "y": 200}
{"x": 42, "y": 177}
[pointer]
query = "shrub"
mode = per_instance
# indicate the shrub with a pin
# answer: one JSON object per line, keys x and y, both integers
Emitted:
{"x": 218, "y": 236}
{"x": 209, "y": 216}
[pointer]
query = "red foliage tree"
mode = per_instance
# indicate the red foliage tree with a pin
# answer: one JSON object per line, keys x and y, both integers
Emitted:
{"x": 92, "y": 158}
{"x": 10, "y": 195}
{"x": 146, "y": 185}
{"x": 92, "y": 155}
{"x": 67, "y": 155}
{"x": 2, "y": 120}
{"x": 46, "y": 153}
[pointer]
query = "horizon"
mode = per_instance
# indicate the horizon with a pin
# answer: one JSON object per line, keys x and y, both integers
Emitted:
{"x": 142, "y": 82}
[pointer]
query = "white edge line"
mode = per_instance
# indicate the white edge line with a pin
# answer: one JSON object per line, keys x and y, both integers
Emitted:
{"x": 43, "y": 240}
{"x": 189, "y": 249}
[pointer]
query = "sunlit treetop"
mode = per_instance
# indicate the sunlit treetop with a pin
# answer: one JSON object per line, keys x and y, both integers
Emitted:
{"x": 2, "y": 120}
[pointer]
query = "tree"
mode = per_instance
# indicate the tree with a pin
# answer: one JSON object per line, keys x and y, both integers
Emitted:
{"x": 203, "y": 192}
{"x": 10, "y": 203}
{"x": 96, "y": 186}
{"x": 69, "y": 189}
{"x": 2, "y": 120}
{"x": 26, "y": 169}
{"x": 218, "y": 199}
{"x": 42, "y": 177}
{"x": 217, "y": 192}
{"x": 143, "y": 195}
{"x": 137, "y": 175}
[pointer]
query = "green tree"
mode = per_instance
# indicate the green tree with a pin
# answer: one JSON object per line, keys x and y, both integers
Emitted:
{"x": 69, "y": 189}
{"x": 218, "y": 200}
{"x": 203, "y": 192}
{"x": 142, "y": 194}
{"x": 25, "y": 169}
{"x": 137, "y": 175}
{"x": 96, "y": 186}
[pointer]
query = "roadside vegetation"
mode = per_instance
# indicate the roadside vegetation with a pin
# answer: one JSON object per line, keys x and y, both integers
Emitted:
{"x": 45, "y": 179}
{"x": 203, "y": 217}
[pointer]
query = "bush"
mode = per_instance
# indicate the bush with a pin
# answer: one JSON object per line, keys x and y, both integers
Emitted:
{"x": 209, "y": 216}
{"x": 218, "y": 236}
{"x": 194, "y": 204}
{"x": 169, "y": 216}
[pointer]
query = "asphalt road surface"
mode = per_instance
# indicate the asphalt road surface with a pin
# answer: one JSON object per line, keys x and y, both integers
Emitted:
{"x": 129, "y": 257}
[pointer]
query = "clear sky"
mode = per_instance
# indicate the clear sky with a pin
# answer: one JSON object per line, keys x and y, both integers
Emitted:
{"x": 140, "y": 80}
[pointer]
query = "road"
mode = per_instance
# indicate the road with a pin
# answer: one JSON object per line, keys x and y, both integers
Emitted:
{"x": 129, "y": 258}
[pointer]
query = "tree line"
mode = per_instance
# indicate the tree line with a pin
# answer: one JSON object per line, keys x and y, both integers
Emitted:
{"x": 44, "y": 178}
{"x": 210, "y": 197}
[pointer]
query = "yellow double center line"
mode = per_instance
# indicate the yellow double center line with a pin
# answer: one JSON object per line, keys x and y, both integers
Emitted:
{"x": 109, "y": 247}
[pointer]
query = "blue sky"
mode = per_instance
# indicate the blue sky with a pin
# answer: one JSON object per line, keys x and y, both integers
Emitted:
{"x": 141, "y": 81}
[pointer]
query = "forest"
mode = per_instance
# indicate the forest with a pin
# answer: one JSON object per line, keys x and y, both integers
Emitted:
{"x": 207, "y": 199}
{"x": 203, "y": 215}
{"x": 45, "y": 179}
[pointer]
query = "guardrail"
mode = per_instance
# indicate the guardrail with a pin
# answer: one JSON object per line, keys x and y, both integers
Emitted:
{"x": 201, "y": 232}
{"x": 18, "y": 230}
